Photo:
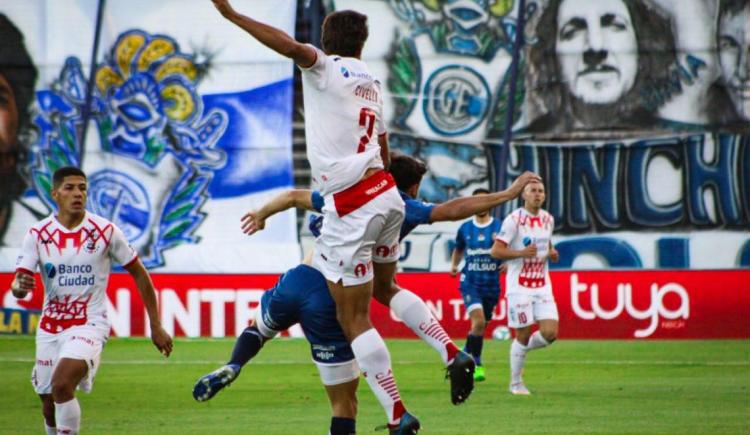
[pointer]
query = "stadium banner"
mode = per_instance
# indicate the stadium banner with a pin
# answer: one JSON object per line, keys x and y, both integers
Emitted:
{"x": 188, "y": 126}
{"x": 636, "y": 113}
{"x": 591, "y": 304}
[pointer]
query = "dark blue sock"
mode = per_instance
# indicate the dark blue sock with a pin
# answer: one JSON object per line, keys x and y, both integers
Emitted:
{"x": 342, "y": 426}
{"x": 247, "y": 346}
{"x": 474, "y": 347}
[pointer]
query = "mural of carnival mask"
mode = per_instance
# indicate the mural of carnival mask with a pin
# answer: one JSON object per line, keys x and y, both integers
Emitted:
{"x": 150, "y": 151}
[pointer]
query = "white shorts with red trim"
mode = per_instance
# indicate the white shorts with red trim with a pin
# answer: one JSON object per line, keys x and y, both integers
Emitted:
{"x": 84, "y": 342}
{"x": 530, "y": 306}
{"x": 337, "y": 374}
{"x": 361, "y": 224}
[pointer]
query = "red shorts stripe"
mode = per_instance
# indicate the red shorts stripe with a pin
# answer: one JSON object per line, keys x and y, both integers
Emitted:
{"x": 363, "y": 192}
{"x": 54, "y": 325}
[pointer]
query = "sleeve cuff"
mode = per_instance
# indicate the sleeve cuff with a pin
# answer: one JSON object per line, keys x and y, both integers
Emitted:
{"x": 129, "y": 263}
{"x": 24, "y": 270}
{"x": 500, "y": 239}
{"x": 315, "y": 62}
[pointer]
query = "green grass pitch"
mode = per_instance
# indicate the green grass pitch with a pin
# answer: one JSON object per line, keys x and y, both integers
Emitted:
{"x": 659, "y": 387}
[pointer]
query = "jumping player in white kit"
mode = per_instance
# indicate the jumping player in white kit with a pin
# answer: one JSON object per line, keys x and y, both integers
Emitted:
{"x": 347, "y": 147}
{"x": 525, "y": 242}
{"x": 74, "y": 250}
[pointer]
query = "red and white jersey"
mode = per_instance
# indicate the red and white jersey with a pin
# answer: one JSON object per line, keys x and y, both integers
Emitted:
{"x": 519, "y": 230}
{"x": 75, "y": 266}
{"x": 343, "y": 119}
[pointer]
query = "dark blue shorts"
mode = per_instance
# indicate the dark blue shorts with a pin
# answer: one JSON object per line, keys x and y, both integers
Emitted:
{"x": 301, "y": 296}
{"x": 486, "y": 296}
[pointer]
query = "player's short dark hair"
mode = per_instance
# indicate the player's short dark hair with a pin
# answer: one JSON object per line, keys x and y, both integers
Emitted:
{"x": 406, "y": 170}
{"x": 480, "y": 190}
{"x": 17, "y": 68}
{"x": 66, "y": 171}
{"x": 344, "y": 33}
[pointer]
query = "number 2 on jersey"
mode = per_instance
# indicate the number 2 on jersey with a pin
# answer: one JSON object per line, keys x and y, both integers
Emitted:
{"x": 366, "y": 120}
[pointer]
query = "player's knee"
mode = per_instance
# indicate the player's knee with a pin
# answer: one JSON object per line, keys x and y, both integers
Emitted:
{"x": 478, "y": 326}
{"x": 383, "y": 294}
{"x": 62, "y": 389}
{"x": 549, "y": 335}
{"x": 523, "y": 336}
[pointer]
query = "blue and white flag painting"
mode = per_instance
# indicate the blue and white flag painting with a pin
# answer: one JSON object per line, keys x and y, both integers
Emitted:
{"x": 182, "y": 125}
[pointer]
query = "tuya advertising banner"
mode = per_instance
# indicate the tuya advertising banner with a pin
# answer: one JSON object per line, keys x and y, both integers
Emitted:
{"x": 591, "y": 305}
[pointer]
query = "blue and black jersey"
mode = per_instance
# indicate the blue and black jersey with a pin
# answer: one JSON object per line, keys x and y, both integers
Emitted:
{"x": 480, "y": 269}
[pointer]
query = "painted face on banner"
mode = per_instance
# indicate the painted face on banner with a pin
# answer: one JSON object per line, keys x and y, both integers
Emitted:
{"x": 8, "y": 128}
{"x": 734, "y": 50}
{"x": 596, "y": 49}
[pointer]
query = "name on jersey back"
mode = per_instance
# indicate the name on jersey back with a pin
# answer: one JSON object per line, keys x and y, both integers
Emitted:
{"x": 367, "y": 93}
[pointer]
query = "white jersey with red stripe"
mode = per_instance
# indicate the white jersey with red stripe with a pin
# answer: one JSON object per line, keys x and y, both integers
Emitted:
{"x": 75, "y": 265}
{"x": 343, "y": 119}
{"x": 519, "y": 230}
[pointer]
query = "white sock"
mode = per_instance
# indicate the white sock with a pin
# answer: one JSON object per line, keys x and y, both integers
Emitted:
{"x": 375, "y": 362}
{"x": 536, "y": 341}
{"x": 49, "y": 430}
{"x": 68, "y": 416}
{"x": 517, "y": 360}
{"x": 414, "y": 312}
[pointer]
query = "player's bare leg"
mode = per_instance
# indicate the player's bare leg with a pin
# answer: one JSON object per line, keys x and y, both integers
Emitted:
{"x": 343, "y": 398}
{"x": 546, "y": 334}
{"x": 48, "y": 411}
{"x": 66, "y": 377}
{"x": 353, "y": 314}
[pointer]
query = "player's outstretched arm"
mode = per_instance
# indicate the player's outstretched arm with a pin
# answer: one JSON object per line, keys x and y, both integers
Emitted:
{"x": 22, "y": 284}
{"x": 502, "y": 251}
{"x": 159, "y": 336}
{"x": 463, "y": 208}
{"x": 255, "y": 220}
{"x": 273, "y": 38}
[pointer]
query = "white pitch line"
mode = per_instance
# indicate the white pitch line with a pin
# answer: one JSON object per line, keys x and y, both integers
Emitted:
{"x": 406, "y": 362}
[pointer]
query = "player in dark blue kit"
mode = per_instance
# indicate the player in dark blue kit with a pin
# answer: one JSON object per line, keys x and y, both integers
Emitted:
{"x": 300, "y": 296}
{"x": 480, "y": 280}
{"x": 408, "y": 174}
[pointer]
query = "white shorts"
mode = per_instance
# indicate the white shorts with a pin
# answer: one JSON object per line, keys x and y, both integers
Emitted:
{"x": 83, "y": 342}
{"x": 336, "y": 374}
{"x": 361, "y": 224}
{"x": 530, "y": 306}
